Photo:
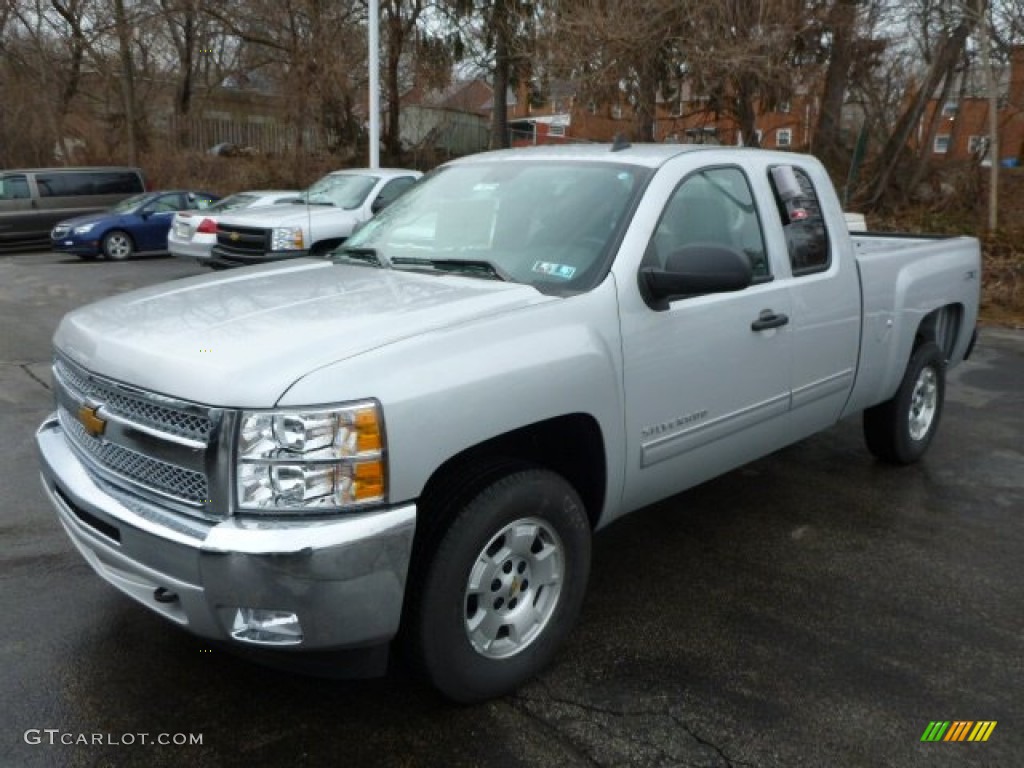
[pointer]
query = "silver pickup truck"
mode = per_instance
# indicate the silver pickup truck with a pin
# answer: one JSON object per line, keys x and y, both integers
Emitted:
{"x": 418, "y": 437}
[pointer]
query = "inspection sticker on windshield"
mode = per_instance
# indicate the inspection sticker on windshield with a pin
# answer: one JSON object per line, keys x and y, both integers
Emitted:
{"x": 563, "y": 271}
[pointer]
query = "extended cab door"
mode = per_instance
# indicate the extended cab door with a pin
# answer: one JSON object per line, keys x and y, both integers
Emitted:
{"x": 825, "y": 322}
{"x": 707, "y": 378}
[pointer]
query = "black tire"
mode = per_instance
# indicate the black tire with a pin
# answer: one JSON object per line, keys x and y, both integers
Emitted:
{"x": 118, "y": 245}
{"x": 900, "y": 430}
{"x": 519, "y": 526}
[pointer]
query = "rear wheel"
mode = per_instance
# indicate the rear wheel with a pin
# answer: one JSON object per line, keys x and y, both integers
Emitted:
{"x": 498, "y": 586}
{"x": 117, "y": 245}
{"x": 901, "y": 429}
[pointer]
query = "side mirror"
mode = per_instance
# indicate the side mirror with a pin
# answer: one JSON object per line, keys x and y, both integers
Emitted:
{"x": 378, "y": 205}
{"x": 694, "y": 270}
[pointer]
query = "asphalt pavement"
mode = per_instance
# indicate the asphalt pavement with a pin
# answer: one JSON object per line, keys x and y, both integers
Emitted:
{"x": 815, "y": 608}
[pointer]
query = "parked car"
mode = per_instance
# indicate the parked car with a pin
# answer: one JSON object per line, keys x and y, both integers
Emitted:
{"x": 422, "y": 433}
{"x": 326, "y": 214}
{"x": 33, "y": 200}
{"x": 137, "y": 225}
{"x": 193, "y": 233}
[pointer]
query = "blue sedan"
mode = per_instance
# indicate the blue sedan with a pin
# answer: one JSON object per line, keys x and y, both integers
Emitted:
{"x": 137, "y": 225}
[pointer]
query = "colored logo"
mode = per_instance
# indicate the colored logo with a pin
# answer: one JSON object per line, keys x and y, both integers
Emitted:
{"x": 93, "y": 424}
{"x": 958, "y": 730}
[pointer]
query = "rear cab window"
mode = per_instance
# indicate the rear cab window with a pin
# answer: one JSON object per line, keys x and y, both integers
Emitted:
{"x": 803, "y": 223}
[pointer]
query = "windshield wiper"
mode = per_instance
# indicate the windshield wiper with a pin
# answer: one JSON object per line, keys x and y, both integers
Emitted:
{"x": 359, "y": 255}
{"x": 475, "y": 267}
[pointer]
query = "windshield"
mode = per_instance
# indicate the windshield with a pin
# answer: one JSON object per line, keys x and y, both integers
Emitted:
{"x": 232, "y": 202}
{"x": 129, "y": 204}
{"x": 548, "y": 224}
{"x": 345, "y": 190}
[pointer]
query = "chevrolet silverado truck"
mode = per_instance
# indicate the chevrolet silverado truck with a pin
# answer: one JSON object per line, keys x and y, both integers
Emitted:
{"x": 417, "y": 438}
{"x": 319, "y": 219}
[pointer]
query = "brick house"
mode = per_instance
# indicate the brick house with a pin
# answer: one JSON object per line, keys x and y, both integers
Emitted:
{"x": 564, "y": 117}
{"x": 962, "y": 126}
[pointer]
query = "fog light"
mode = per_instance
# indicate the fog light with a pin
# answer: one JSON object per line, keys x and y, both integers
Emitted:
{"x": 255, "y": 625}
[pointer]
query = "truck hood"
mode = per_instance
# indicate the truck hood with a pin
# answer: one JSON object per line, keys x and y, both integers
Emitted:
{"x": 242, "y": 339}
{"x": 287, "y": 215}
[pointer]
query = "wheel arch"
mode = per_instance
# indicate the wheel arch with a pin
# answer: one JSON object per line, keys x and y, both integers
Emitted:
{"x": 571, "y": 445}
{"x": 942, "y": 326}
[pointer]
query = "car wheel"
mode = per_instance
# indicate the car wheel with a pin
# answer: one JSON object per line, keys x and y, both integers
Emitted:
{"x": 117, "y": 245}
{"x": 900, "y": 430}
{"x": 498, "y": 586}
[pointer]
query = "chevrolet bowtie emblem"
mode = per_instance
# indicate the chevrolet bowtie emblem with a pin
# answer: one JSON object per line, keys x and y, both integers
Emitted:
{"x": 235, "y": 235}
{"x": 93, "y": 424}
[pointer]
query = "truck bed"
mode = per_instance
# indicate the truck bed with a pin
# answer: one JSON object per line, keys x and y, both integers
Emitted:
{"x": 907, "y": 280}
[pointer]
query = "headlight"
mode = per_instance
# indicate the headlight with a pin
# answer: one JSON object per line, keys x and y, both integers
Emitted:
{"x": 287, "y": 239}
{"x": 311, "y": 460}
{"x": 83, "y": 229}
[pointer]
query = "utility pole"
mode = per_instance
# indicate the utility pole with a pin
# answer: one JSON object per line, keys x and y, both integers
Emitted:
{"x": 993, "y": 119}
{"x": 374, "y": 100}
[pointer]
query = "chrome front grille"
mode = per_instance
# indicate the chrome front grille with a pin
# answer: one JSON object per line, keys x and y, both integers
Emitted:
{"x": 149, "y": 444}
{"x": 177, "y": 482}
{"x": 138, "y": 409}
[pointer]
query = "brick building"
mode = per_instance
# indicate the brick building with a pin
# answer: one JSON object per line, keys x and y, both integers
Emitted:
{"x": 961, "y": 130}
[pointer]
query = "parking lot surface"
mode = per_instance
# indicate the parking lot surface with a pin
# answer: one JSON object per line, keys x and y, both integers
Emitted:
{"x": 815, "y": 608}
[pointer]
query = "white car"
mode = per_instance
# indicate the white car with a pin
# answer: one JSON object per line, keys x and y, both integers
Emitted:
{"x": 194, "y": 233}
{"x": 333, "y": 208}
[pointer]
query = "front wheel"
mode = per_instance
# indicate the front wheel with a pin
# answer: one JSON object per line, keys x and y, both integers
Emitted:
{"x": 117, "y": 245}
{"x": 500, "y": 591}
{"x": 900, "y": 430}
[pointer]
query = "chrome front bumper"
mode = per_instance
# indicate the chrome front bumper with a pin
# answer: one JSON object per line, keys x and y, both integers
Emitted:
{"x": 344, "y": 577}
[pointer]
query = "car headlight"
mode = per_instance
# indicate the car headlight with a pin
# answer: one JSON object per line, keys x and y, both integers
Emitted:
{"x": 287, "y": 239}
{"x": 83, "y": 229}
{"x": 311, "y": 460}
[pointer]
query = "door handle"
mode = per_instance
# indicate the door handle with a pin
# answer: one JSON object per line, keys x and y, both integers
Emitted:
{"x": 768, "y": 319}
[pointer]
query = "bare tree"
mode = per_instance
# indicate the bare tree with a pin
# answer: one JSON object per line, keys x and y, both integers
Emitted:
{"x": 499, "y": 36}
{"x": 611, "y": 52}
{"x": 401, "y": 18}
{"x": 297, "y": 45}
{"x": 949, "y": 52}
{"x": 841, "y": 29}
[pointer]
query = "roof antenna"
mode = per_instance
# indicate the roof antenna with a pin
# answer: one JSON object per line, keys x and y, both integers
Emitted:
{"x": 620, "y": 142}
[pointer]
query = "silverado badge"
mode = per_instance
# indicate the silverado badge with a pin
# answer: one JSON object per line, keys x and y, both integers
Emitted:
{"x": 93, "y": 424}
